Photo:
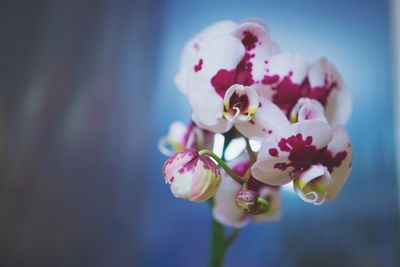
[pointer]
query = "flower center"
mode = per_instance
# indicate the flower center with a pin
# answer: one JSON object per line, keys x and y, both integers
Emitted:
{"x": 240, "y": 103}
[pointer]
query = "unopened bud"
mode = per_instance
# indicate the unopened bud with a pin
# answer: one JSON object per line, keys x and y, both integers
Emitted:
{"x": 246, "y": 200}
{"x": 249, "y": 202}
{"x": 192, "y": 176}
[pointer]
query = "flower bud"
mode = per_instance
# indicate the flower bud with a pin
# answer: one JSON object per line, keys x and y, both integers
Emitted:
{"x": 250, "y": 202}
{"x": 246, "y": 200}
{"x": 192, "y": 176}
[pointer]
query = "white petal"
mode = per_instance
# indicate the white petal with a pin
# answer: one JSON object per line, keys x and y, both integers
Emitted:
{"x": 180, "y": 187}
{"x": 194, "y": 45}
{"x": 338, "y": 109}
{"x": 308, "y": 109}
{"x": 311, "y": 185}
{"x": 333, "y": 94}
{"x": 223, "y": 52}
{"x": 340, "y": 144}
{"x": 290, "y": 150}
{"x": 177, "y": 131}
{"x": 268, "y": 119}
{"x": 221, "y": 126}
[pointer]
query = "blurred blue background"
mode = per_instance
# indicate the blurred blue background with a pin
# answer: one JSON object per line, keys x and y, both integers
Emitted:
{"x": 86, "y": 90}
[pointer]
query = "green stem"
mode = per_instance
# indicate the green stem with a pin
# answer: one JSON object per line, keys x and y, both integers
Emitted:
{"x": 220, "y": 244}
{"x": 252, "y": 155}
{"x": 218, "y": 247}
{"x": 223, "y": 165}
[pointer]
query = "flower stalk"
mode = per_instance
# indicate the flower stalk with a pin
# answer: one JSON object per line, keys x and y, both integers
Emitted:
{"x": 223, "y": 165}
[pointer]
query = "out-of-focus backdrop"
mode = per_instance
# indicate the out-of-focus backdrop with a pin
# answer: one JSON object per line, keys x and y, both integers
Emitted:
{"x": 86, "y": 90}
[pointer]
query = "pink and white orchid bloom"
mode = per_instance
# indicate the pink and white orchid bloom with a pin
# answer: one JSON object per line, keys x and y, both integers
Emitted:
{"x": 225, "y": 76}
{"x": 291, "y": 78}
{"x": 181, "y": 136}
{"x": 192, "y": 176}
{"x": 312, "y": 154}
{"x": 225, "y": 210}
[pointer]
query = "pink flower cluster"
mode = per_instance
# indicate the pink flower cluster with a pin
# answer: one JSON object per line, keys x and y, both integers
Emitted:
{"x": 237, "y": 80}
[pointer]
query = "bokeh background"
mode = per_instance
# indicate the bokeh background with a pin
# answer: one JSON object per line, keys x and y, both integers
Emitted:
{"x": 86, "y": 90}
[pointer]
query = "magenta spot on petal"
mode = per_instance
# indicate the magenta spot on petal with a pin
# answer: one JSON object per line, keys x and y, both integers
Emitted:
{"x": 303, "y": 154}
{"x": 269, "y": 131}
{"x": 287, "y": 93}
{"x": 273, "y": 152}
{"x": 330, "y": 161}
{"x": 199, "y": 65}
{"x": 249, "y": 40}
{"x": 223, "y": 79}
{"x": 191, "y": 164}
{"x": 270, "y": 79}
{"x": 266, "y": 61}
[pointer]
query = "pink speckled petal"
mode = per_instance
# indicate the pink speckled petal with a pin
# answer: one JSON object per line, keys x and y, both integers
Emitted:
{"x": 288, "y": 65}
{"x": 257, "y": 42}
{"x": 179, "y": 159}
{"x": 194, "y": 45}
{"x": 223, "y": 52}
{"x": 287, "y": 71}
{"x": 290, "y": 150}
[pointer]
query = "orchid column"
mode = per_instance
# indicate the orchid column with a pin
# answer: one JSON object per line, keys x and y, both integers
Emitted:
{"x": 241, "y": 85}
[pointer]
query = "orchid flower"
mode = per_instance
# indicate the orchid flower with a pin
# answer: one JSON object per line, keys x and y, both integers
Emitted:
{"x": 191, "y": 176}
{"x": 291, "y": 78}
{"x": 223, "y": 81}
{"x": 309, "y": 152}
{"x": 181, "y": 136}
{"x": 226, "y": 211}
{"x": 235, "y": 77}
